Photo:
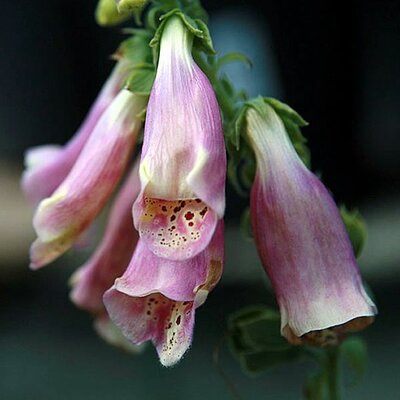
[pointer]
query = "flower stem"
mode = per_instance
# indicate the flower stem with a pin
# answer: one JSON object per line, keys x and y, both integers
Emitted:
{"x": 333, "y": 373}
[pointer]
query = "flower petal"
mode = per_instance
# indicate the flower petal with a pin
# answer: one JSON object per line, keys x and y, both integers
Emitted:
{"x": 301, "y": 237}
{"x": 183, "y": 155}
{"x": 111, "y": 334}
{"x": 177, "y": 280}
{"x": 113, "y": 254}
{"x": 47, "y": 166}
{"x": 168, "y": 324}
{"x": 177, "y": 229}
{"x": 61, "y": 218}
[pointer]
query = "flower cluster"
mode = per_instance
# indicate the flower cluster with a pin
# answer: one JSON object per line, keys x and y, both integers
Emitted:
{"x": 163, "y": 247}
{"x": 148, "y": 281}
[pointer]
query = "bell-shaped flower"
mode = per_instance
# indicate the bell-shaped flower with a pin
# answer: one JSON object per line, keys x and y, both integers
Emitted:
{"x": 48, "y": 165}
{"x": 114, "y": 252}
{"x": 156, "y": 298}
{"x": 302, "y": 240}
{"x": 111, "y": 334}
{"x": 183, "y": 164}
{"x": 60, "y": 219}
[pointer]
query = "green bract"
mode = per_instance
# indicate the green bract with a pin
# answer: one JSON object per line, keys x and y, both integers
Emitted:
{"x": 199, "y": 30}
{"x": 356, "y": 229}
{"x": 254, "y": 334}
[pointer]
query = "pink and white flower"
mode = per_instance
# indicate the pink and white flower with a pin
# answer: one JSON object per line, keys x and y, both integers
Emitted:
{"x": 114, "y": 252}
{"x": 183, "y": 164}
{"x": 156, "y": 298}
{"x": 61, "y": 218}
{"x": 302, "y": 241}
{"x": 48, "y": 165}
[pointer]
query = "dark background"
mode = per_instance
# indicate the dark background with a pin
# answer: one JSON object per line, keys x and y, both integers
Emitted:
{"x": 336, "y": 63}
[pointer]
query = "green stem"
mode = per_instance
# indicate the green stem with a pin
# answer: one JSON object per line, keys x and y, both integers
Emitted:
{"x": 333, "y": 373}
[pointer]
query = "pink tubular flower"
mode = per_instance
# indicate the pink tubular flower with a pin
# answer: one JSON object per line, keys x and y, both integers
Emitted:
{"x": 183, "y": 162}
{"x": 113, "y": 254}
{"x": 302, "y": 240}
{"x": 156, "y": 298}
{"x": 111, "y": 334}
{"x": 48, "y": 165}
{"x": 60, "y": 219}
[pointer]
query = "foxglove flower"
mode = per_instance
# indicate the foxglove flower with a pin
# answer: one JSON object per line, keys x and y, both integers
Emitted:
{"x": 302, "y": 240}
{"x": 111, "y": 334}
{"x": 183, "y": 162}
{"x": 156, "y": 298}
{"x": 47, "y": 166}
{"x": 60, "y": 219}
{"x": 113, "y": 254}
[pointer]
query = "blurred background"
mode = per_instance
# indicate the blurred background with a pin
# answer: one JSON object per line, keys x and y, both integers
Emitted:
{"x": 336, "y": 63}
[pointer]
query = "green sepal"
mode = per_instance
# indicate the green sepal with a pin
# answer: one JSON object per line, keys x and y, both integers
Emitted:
{"x": 140, "y": 81}
{"x": 354, "y": 351}
{"x": 356, "y": 229}
{"x": 230, "y": 58}
{"x": 107, "y": 13}
{"x": 136, "y": 47}
{"x": 234, "y": 161}
{"x": 283, "y": 110}
{"x": 245, "y": 224}
{"x": 292, "y": 121}
{"x": 192, "y": 8}
{"x": 239, "y": 128}
{"x": 199, "y": 30}
{"x": 255, "y": 339}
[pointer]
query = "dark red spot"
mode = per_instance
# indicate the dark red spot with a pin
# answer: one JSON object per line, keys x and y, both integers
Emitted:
{"x": 178, "y": 320}
{"x": 191, "y": 223}
{"x": 164, "y": 208}
{"x": 177, "y": 209}
{"x": 183, "y": 203}
{"x": 203, "y": 211}
{"x": 189, "y": 215}
{"x": 173, "y": 218}
{"x": 197, "y": 200}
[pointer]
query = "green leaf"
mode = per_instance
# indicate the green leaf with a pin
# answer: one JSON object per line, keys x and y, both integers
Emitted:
{"x": 255, "y": 339}
{"x": 355, "y": 353}
{"x": 257, "y": 362}
{"x": 230, "y": 58}
{"x": 356, "y": 229}
{"x": 141, "y": 79}
{"x": 136, "y": 47}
